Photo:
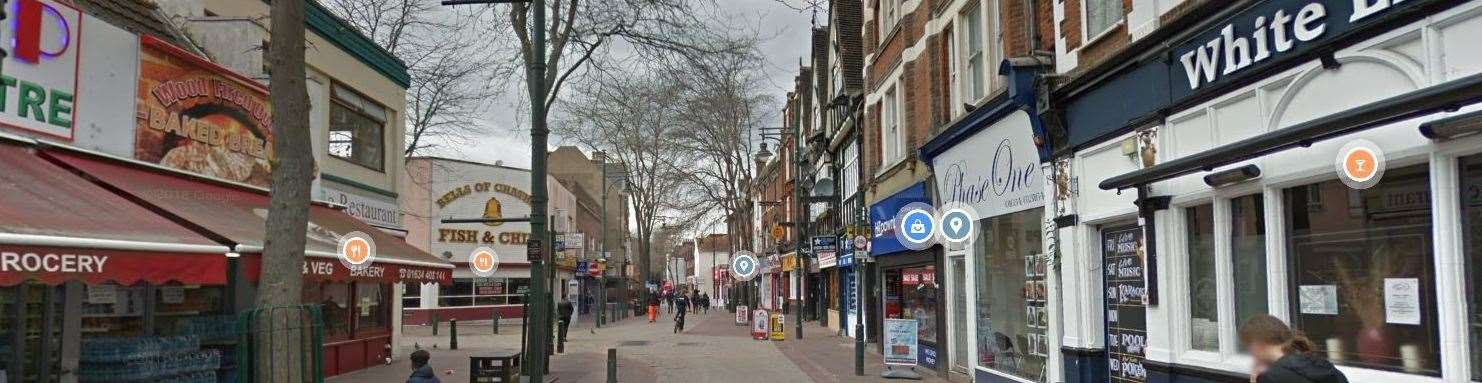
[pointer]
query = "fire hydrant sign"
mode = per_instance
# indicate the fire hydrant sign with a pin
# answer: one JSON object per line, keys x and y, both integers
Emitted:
{"x": 43, "y": 39}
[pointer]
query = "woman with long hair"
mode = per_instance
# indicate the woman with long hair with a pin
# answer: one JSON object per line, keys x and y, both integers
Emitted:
{"x": 1283, "y": 355}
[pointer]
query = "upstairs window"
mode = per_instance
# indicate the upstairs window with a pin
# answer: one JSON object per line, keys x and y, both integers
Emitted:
{"x": 1101, "y": 15}
{"x": 357, "y": 130}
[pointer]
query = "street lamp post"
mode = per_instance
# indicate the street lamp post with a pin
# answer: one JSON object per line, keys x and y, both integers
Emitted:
{"x": 538, "y": 136}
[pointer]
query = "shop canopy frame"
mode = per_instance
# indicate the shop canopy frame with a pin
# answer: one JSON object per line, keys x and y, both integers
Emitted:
{"x": 234, "y": 214}
{"x": 56, "y": 226}
{"x": 1444, "y": 97}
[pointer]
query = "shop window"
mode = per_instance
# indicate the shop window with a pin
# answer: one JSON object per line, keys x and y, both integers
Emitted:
{"x": 1012, "y": 316}
{"x": 334, "y": 305}
{"x": 1361, "y": 271}
{"x": 1204, "y": 327}
{"x": 357, "y": 129}
{"x": 411, "y": 295}
{"x": 1101, "y": 15}
{"x": 1248, "y": 255}
{"x": 372, "y": 307}
{"x": 1471, "y": 200}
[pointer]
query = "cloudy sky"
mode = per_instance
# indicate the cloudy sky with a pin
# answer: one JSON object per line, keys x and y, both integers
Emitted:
{"x": 784, "y": 28}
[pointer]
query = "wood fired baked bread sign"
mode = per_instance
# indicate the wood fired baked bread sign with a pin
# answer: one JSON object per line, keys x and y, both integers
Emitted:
{"x": 196, "y": 116}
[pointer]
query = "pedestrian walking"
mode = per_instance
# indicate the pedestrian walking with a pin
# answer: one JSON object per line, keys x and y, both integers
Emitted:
{"x": 668, "y": 301}
{"x": 421, "y": 372}
{"x": 681, "y": 303}
{"x": 1283, "y": 355}
{"x": 705, "y": 302}
{"x": 563, "y": 312}
{"x": 653, "y": 308}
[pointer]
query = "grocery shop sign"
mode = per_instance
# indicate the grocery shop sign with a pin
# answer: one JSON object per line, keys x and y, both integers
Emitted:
{"x": 39, "y": 83}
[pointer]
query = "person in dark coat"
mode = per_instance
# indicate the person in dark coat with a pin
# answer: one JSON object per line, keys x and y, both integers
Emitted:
{"x": 1283, "y": 355}
{"x": 681, "y": 303}
{"x": 563, "y": 316}
{"x": 421, "y": 372}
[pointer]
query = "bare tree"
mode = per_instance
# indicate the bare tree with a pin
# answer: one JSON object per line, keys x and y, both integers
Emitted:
{"x": 633, "y": 118}
{"x": 455, "y": 65}
{"x": 724, "y": 107}
{"x": 293, "y": 171}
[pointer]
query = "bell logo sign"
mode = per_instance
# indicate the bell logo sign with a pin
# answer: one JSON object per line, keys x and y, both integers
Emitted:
{"x": 39, "y": 84}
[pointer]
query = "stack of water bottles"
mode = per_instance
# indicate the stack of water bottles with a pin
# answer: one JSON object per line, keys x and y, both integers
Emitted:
{"x": 208, "y": 328}
{"x": 147, "y": 359}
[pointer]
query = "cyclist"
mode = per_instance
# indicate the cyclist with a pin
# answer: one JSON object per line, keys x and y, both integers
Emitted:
{"x": 681, "y": 302}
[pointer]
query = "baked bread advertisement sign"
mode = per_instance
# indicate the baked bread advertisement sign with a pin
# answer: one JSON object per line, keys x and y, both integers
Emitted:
{"x": 198, "y": 117}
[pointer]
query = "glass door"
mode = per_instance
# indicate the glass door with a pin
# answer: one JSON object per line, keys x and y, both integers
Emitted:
{"x": 960, "y": 352}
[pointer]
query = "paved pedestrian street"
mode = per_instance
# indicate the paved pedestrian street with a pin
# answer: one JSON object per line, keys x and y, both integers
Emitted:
{"x": 712, "y": 349}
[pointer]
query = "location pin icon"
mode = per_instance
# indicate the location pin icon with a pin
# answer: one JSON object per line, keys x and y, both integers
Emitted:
{"x": 956, "y": 225}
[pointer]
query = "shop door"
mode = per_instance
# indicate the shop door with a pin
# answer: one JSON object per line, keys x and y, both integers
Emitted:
{"x": 38, "y": 345}
{"x": 1123, "y": 275}
{"x": 957, "y": 286}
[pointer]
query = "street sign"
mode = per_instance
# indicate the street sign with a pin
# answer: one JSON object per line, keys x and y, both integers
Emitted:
{"x": 778, "y": 232}
{"x": 594, "y": 269}
{"x": 744, "y": 266}
{"x": 581, "y": 268}
{"x": 861, "y": 242}
{"x": 825, "y": 243}
{"x": 533, "y": 249}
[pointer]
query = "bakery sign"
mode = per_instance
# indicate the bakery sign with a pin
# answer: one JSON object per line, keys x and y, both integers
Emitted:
{"x": 39, "y": 83}
{"x": 198, "y": 117}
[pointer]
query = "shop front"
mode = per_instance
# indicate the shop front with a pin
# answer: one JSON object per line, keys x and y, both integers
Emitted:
{"x": 826, "y": 249}
{"x": 1003, "y": 324}
{"x": 1242, "y": 201}
{"x": 908, "y": 278}
{"x": 99, "y": 298}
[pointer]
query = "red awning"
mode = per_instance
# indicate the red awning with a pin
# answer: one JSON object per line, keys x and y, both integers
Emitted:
{"x": 237, "y": 213}
{"x": 56, "y": 226}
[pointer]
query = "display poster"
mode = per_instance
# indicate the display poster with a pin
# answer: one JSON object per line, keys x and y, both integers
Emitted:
{"x": 1126, "y": 303}
{"x": 201, "y": 118}
{"x": 1402, "y": 301}
{"x": 759, "y": 324}
{"x": 1318, "y": 299}
{"x": 900, "y": 342}
{"x": 172, "y": 294}
{"x": 742, "y": 312}
{"x": 102, "y": 294}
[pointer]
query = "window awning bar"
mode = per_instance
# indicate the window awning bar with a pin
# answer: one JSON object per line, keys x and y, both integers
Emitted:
{"x": 1451, "y": 95}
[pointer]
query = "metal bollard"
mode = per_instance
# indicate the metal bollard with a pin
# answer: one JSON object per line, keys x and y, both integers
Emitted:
{"x": 453, "y": 333}
{"x": 434, "y": 323}
{"x": 611, "y": 365}
{"x": 496, "y": 323}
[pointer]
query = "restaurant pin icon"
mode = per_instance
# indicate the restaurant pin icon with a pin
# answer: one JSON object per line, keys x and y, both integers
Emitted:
{"x": 483, "y": 262}
{"x": 356, "y": 250}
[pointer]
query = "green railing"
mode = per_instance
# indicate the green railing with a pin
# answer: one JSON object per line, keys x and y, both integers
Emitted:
{"x": 281, "y": 344}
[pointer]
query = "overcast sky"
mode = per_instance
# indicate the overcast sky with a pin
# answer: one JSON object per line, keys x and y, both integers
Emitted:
{"x": 784, "y": 28}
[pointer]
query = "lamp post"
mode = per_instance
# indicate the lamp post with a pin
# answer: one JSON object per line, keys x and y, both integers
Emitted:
{"x": 538, "y": 135}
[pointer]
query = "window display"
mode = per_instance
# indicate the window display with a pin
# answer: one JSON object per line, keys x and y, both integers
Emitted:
{"x": 1471, "y": 200}
{"x": 1204, "y": 328}
{"x": 371, "y": 307}
{"x": 334, "y": 305}
{"x": 1012, "y": 314}
{"x": 1248, "y": 253}
{"x": 1362, "y": 272}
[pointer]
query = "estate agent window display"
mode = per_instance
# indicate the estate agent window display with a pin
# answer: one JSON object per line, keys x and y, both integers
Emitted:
{"x": 1012, "y": 296}
{"x": 1358, "y": 270}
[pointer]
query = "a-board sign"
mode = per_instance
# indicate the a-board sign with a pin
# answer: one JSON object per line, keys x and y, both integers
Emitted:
{"x": 1126, "y": 303}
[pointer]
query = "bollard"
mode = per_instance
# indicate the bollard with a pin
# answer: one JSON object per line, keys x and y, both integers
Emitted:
{"x": 453, "y": 333}
{"x": 434, "y": 323}
{"x": 496, "y": 323}
{"x": 611, "y": 365}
